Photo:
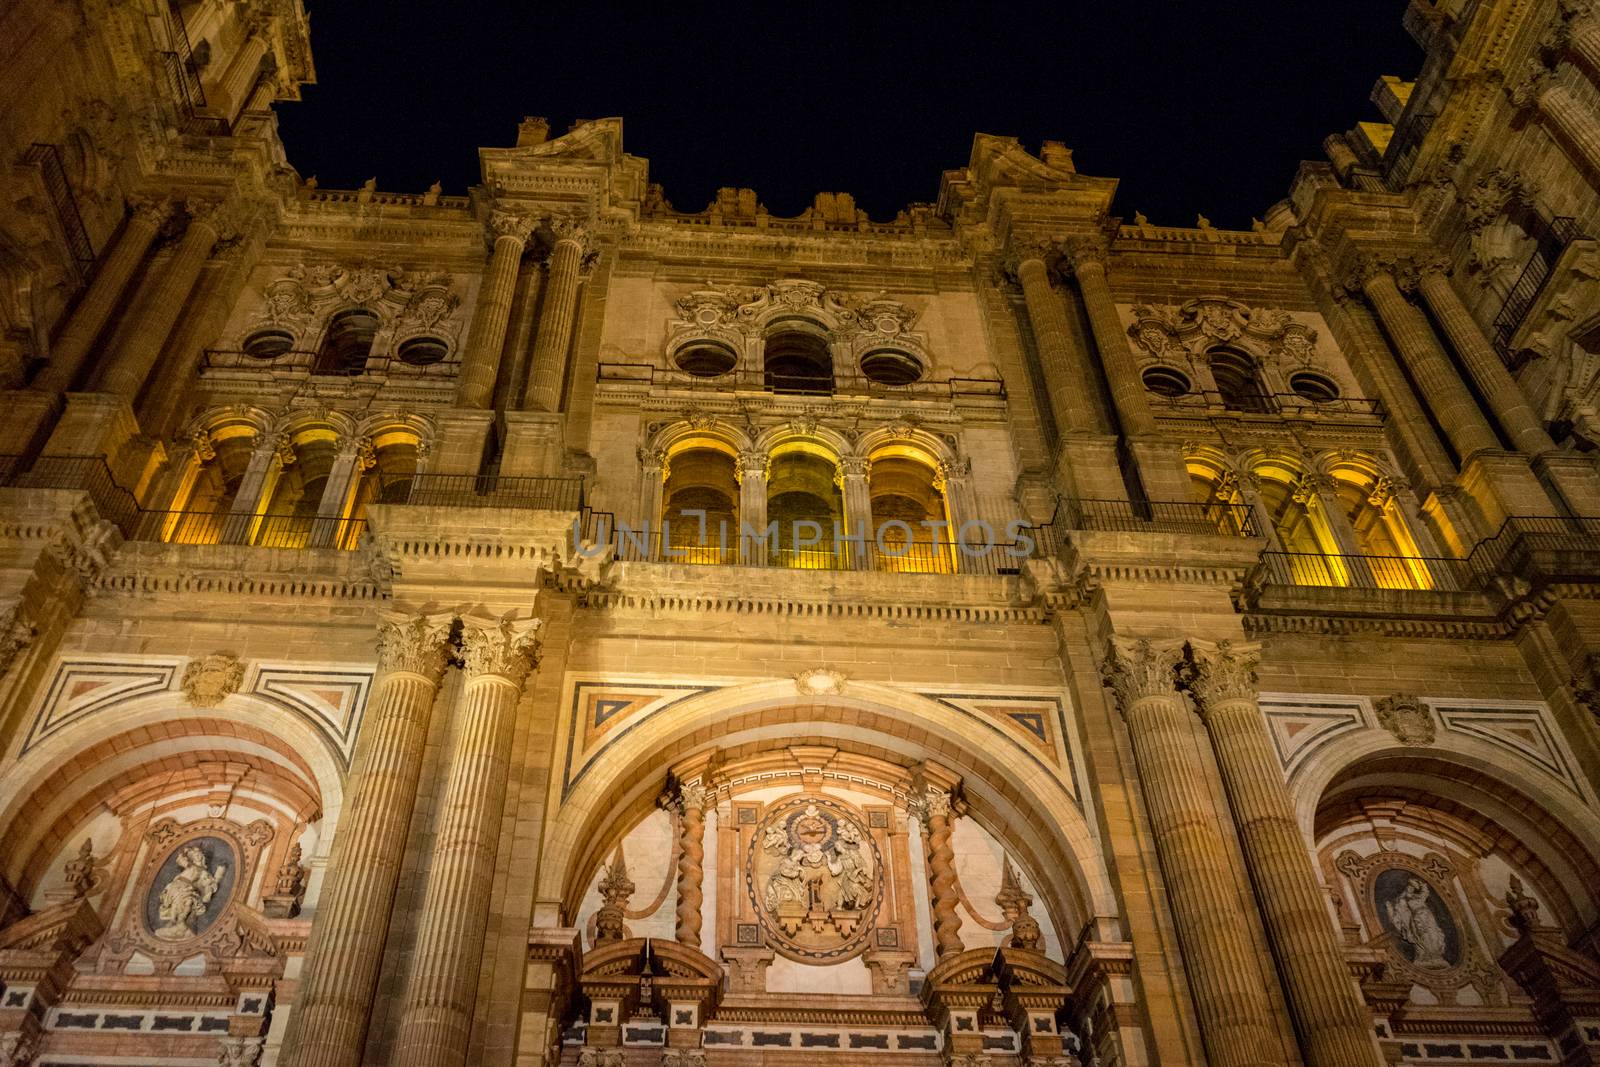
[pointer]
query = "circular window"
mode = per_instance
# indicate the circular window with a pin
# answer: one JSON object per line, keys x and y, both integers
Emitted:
{"x": 706, "y": 359}
{"x": 268, "y": 344}
{"x": 889, "y": 366}
{"x": 1164, "y": 381}
{"x": 1313, "y": 387}
{"x": 421, "y": 351}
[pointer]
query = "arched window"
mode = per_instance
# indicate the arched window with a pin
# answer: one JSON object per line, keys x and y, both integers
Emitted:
{"x": 701, "y": 479}
{"x": 905, "y": 495}
{"x": 1381, "y": 532}
{"x": 796, "y": 360}
{"x": 198, "y": 514}
{"x": 388, "y": 480}
{"x": 292, "y": 505}
{"x": 1235, "y": 376}
{"x": 802, "y": 499}
{"x": 1301, "y": 529}
{"x": 347, "y": 343}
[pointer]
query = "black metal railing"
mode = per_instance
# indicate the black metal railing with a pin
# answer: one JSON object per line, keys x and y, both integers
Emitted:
{"x": 888, "y": 555}
{"x": 1211, "y": 402}
{"x": 63, "y": 204}
{"x": 88, "y": 474}
{"x": 1366, "y": 572}
{"x": 496, "y": 491}
{"x": 246, "y": 528}
{"x": 1550, "y": 241}
{"x": 183, "y": 83}
{"x": 840, "y": 384}
{"x": 301, "y": 361}
{"x": 1567, "y": 543}
{"x": 1156, "y": 516}
{"x": 1401, "y": 154}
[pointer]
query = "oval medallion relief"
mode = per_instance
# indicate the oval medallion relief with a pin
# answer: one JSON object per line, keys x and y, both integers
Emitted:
{"x": 815, "y": 877}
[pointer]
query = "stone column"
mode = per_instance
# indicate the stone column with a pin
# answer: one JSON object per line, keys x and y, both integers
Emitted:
{"x": 487, "y": 336}
{"x": 937, "y": 809}
{"x": 355, "y": 455}
{"x": 105, "y": 293}
{"x": 548, "y": 368}
{"x": 1483, "y": 363}
{"x": 1572, "y": 123}
{"x": 229, "y": 95}
{"x": 1431, "y": 369}
{"x": 691, "y": 805}
{"x": 328, "y": 1025}
{"x": 855, "y": 473}
{"x": 272, "y": 453}
{"x": 455, "y": 911}
{"x": 752, "y": 474}
{"x": 1584, "y": 46}
{"x": 1229, "y": 998}
{"x": 1069, "y": 376}
{"x": 131, "y": 366}
{"x": 1160, "y": 466}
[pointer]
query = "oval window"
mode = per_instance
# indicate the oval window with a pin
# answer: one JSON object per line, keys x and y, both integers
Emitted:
{"x": 889, "y": 366}
{"x": 1165, "y": 381}
{"x": 706, "y": 359}
{"x": 268, "y": 344}
{"x": 1314, "y": 387}
{"x": 421, "y": 351}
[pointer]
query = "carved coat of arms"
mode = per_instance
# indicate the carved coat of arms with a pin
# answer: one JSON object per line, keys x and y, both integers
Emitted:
{"x": 814, "y": 875}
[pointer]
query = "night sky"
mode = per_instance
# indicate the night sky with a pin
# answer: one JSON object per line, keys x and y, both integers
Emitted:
{"x": 1198, "y": 106}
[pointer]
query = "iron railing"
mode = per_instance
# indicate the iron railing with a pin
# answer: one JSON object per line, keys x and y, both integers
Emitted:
{"x": 839, "y": 384}
{"x": 88, "y": 474}
{"x": 246, "y": 528}
{"x": 1156, "y": 516}
{"x": 1550, "y": 241}
{"x": 63, "y": 204}
{"x": 305, "y": 362}
{"x": 1401, "y": 154}
{"x": 496, "y": 491}
{"x": 1569, "y": 543}
{"x": 1211, "y": 402}
{"x": 1366, "y": 572}
{"x": 894, "y": 556}
{"x": 183, "y": 82}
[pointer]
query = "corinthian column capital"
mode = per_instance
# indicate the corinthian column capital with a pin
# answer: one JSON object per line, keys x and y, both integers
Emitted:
{"x": 566, "y": 228}
{"x": 510, "y": 224}
{"x": 414, "y": 644}
{"x": 1527, "y": 87}
{"x": 218, "y": 216}
{"x": 1140, "y": 669}
{"x": 1086, "y": 252}
{"x": 1219, "y": 672}
{"x": 504, "y": 649}
{"x": 150, "y": 210}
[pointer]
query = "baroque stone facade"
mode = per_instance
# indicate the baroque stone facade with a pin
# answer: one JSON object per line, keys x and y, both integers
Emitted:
{"x": 546, "y": 626}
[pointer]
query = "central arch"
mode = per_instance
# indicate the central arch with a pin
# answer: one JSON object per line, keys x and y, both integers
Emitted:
{"x": 1014, "y": 798}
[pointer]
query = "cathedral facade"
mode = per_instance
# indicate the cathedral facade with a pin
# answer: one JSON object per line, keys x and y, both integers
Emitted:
{"x": 552, "y": 626}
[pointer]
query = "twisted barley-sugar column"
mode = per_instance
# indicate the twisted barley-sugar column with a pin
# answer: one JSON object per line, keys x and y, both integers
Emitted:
{"x": 487, "y": 337}
{"x": 1122, "y": 370}
{"x": 1333, "y": 1024}
{"x": 935, "y": 808}
{"x": 437, "y": 1016}
{"x": 691, "y": 862}
{"x": 131, "y": 365}
{"x": 329, "y": 1023}
{"x": 105, "y": 292}
{"x": 550, "y": 343}
{"x": 1229, "y": 998}
{"x": 1504, "y": 395}
{"x": 1067, "y": 374}
{"x": 1413, "y": 338}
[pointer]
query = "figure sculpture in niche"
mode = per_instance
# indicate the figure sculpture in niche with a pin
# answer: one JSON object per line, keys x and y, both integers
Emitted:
{"x": 184, "y": 900}
{"x": 1414, "y": 921}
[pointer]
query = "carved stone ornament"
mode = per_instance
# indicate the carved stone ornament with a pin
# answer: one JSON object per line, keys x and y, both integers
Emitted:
{"x": 615, "y": 890}
{"x": 1406, "y": 717}
{"x": 1222, "y": 673}
{"x": 1139, "y": 669}
{"x": 1175, "y": 333}
{"x": 508, "y": 649}
{"x": 81, "y": 872}
{"x": 414, "y": 643}
{"x": 1014, "y": 903}
{"x": 736, "y": 313}
{"x": 17, "y": 631}
{"x": 207, "y": 682}
{"x": 819, "y": 681}
{"x": 814, "y": 876}
{"x": 18, "y": 1049}
{"x": 240, "y": 1051}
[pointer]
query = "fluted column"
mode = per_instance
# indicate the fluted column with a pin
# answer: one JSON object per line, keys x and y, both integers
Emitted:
{"x": 937, "y": 809}
{"x": 329, "y": 1023}
{"x": 89, "y": 318}
{"x": 752, "y": 475}
{"x": 455, "y": 908}
{"x": 1333, "y": 1024}
{"x": 1122, "y": 370}
{"x": 691, "y": 804}
{"x": 1494, "y": 381}
{"x": 1413, "y": 338}
{"x": 1068, "y": 375}
{"x": 1229, "y": 999}
{"x": 131, "y": 365}
{"x": 1585, "y": 46}
{"x": 232, "y": 91}
{"x": 487, "y": 336}
{"x": 1574, "y": 124}
{"x": 854, "y": 477}
{"x": 548, "y": 368}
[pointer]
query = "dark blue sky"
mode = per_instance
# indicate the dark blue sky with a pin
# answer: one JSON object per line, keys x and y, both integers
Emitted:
{"x": 1196, "y": 106}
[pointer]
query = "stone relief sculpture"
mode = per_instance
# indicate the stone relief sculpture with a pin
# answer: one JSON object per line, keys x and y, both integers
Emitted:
{"x": 814, "y": 876}
{"x": 1414, "y": 921}
{"x": 184, "y": 894}
{"x": 1406, "y": 717}
{"x": 207, "y": 682}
